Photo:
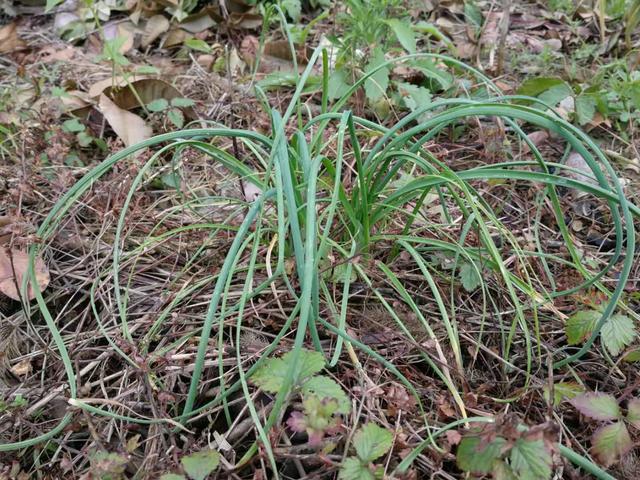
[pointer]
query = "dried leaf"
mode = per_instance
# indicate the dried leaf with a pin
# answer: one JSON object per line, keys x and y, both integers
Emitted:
{"x": 22, "y": 368}
{"x": 129, "y": 127}
{"x": 18, "y": 261}
{"x": 156, "y": 26}
{"x": 9, "y": 40}
{"x": 148, "y": 90}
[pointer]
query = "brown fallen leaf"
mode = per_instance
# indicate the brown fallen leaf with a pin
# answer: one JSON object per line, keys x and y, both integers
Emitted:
{"x": 16, "y": 261}
{"x": 9, "y": 40}
{"x": 128, "y": 126}
{"x": 21, "y": 369}
{"x": 148, "y": 90}
{"x": 156, "y": 26}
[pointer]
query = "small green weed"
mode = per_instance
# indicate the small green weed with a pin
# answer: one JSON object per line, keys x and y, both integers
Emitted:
{"x": 322, "y": 398}
{"x": 197, "y": 466}
{"x": 370, "y": 443}
{"x": 611, "y": 440}
{"x": 508, "y": 450}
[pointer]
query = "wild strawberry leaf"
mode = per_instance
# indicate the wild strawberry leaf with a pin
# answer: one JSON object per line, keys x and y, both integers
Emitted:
{"x": 477, "y": 456}
{"x": 596, "y": 405}
{"x": 353, "y": 469}
{"x": 580, "y": 325}
{"x": 633, "y": 412}
{"x": 610, "y": 442}
{"x": 372, "y": 441}
{"x": 273, "y": 372}
{"x": 531, "y": 460}
{"x": 618, "y": 332}
{"x": 375, "y": 86}
{"x": 324, "y": 387}
{"x": 199, "y": 465}
{"x": 563, "y": 391}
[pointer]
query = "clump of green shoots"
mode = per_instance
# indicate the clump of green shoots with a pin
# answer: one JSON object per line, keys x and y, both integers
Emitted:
{"x": 305, "y": 211}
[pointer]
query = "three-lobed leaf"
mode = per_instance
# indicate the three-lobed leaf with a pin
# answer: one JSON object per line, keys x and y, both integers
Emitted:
{"x": 596, "y": 405}
{"x": 325, "y": 387}
{"x": 271, "y": 375}
{"x": 372, "y": 441}
{"x": 200, "y": 464}
{"x": 353, "y": 469}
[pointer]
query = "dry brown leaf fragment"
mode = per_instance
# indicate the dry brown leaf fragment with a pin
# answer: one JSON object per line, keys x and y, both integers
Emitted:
{"x": 156, "y": 26}
{"x": 21, "y": 369}
{"x": 16, "y": 262}
{"x": 128, "y": 126}
{"x": 9, "y": 39}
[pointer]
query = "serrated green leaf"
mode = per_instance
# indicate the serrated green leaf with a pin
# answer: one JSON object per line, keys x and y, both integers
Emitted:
{"x": 610, "y": 442}
{"x": 176, "y": 117}
{"x": 477, "y": 456}
{"x": 200, "y": 464}
{"x": 580, "y": 326}
{"x": 147, "y": 70}
{"x": 433, "y": 72}
{"x": 596, "y": 405}
{"x": 375, "y": 87}
{"x": 73, "y": 125}
{"x": 325, "y": 387}
{"x": 530, "y": 460}
{"x": 404, "y": 33}
{"x": 293, "y": 9}
{"x": 414, "y": 96}
{"x": 372, "y": 441}
{"x": 556, "y": 94}
{"x": 563, "y": 391}
{"x": 473, "y": 13}
{"x": 271, "y": 375}
{"x": 198, "y": 45}
{"x": 535, "y": 86}
{"x": 338, "y": 84}
{"x": 182, "y": 102}
{"x": 633, "y": 412}
{"x": 585, "y": 108}
{"x": 158, "y": 105}
{"x": 84, "y": 139}
{"x": 632, "y": 356}
{"x": 51, "y": 4}
{"x": 470, "y": 278}
{"x": 618, "y": 332}
{"x": 502, "y": 471}
{"x": 353, "y": 469}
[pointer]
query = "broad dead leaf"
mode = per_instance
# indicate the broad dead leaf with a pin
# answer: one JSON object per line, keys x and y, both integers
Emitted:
{"x": 198, "y": 22}
{"x": 128, "y": 126}
{"x": 22, "y": 368}
{"x": 18, "y": 261}
{"x": 9, "y": 40}
{"x": 148, "y": 90}
{"x": 156, "y": 26}
{"x": 126, "y": 30}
